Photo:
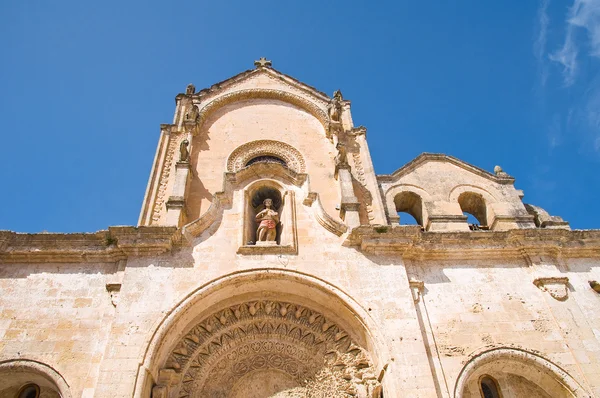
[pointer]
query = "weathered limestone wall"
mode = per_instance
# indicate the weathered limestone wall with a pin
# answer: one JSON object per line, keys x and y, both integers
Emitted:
{"x": 57, "y": 314}
{"x": 474, "y": 305}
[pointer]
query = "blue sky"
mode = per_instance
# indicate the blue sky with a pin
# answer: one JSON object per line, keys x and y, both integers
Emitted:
{"x": 85, "y": 85}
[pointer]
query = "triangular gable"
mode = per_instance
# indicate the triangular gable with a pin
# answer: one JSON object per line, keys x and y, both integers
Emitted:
{"x": 218, "y": 88}
{"x": 438, "y": 157}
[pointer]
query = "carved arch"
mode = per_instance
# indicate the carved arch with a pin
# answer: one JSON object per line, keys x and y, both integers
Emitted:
{"x": 35, "y": 368}
{"x": 520, "y": 362}
{"x": 217, "y": 321}
{"x": 258, "y": 93}
{"x": 240, "y": 156}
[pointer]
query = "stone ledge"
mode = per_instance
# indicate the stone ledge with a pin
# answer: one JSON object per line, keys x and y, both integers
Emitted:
{"x": 116, "y": 243}
{"x": 275, "y": 249}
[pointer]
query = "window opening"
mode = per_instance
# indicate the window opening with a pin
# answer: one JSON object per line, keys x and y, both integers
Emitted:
{"x": 473, "y": 206}
{"x": 266, "y": 159}
{"x": 29, "y": 391}
{"x": 409, "y": 207}
{"x": 489, "y": 388}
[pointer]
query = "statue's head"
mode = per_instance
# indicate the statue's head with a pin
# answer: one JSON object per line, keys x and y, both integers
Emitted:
{"x": 268, "y": 203}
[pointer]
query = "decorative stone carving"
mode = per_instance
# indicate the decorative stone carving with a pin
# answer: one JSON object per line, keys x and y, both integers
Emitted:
{"x": 193, "y": 114}
{"x": 334, "y": 110}
{"x": 159, "y": 208}
{"x": 244, "y": 153}
{"x": 556, "y": 286}
{"x": 190, "y": 89}
{"x": 184, "y": 153}
{"x": 267, "y": 219}
{"x": 341, "y": 160}
{"x": 263, "y": 63}
{"x": 311, "y": 106}
{"x": 499, "y": 172}
{"x": 303, "y": 345}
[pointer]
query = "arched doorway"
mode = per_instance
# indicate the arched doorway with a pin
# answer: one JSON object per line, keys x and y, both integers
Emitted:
{"x": 264, "y": 333}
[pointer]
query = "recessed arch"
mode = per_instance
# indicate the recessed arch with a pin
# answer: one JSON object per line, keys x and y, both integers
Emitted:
{"x": 290, "y": 296}
{"x": 257, "y": 93}
{"x": 239, "y": 157}
{"x": 522, "y": 363}
{"x": 24, "y": 372}
{"x": 410, "y": 199}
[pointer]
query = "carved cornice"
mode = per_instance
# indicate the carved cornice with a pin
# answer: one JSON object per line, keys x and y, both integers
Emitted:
{"x": 437, "y": 157}
{"x": 411, "y": 242}
{"x": 258, "y": 93}
{"x": 117, "y": 243}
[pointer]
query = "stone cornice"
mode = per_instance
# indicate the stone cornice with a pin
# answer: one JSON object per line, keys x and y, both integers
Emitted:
{"x": 411, "y": 242}
{"x": 121, "y": 242}
{"x": 427, "y": 157}
{"x": 116, "y": 243}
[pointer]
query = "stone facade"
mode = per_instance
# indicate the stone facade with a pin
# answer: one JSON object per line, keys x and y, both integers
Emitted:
{"x": 339, "y": 301}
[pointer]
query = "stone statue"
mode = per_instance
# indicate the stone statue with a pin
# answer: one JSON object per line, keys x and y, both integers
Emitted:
{"x": 499, "y": 172}
{"x": 267, "y": 219}
{"x": 342, "y": 157}
{"x": 190, "y": 89}
{"x": 184, "y": 153}
{"x": 335, "y": 107}
{"x": 192, "y": 114}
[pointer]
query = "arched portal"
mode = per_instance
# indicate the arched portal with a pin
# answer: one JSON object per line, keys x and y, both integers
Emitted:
{"x": 260, "y": 333}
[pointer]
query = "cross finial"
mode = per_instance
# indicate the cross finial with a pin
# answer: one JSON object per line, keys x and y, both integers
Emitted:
{"x": 262, "y": 62}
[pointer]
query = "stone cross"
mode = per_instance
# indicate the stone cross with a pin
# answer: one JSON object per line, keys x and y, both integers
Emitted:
{"x": 262, "y": 62}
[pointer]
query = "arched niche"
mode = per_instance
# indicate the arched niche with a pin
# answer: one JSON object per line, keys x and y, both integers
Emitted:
{"x": 257, "y": 325}
{"x": 22, "y": 376}
{"x": 516, "y": 372}
{"x": 283, "y": 202}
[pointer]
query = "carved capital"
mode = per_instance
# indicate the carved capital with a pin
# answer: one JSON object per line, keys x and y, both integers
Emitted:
{"x": 556, "y": 286}
{"x": 175, "y": 202}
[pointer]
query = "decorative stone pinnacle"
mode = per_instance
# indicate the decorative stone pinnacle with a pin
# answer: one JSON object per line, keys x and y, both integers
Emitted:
{"x": 263, "y": 62}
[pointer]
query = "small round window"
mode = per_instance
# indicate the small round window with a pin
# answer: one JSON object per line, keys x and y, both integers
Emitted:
{"x": 266, "y": 159}
{"x": 29, "y": 391}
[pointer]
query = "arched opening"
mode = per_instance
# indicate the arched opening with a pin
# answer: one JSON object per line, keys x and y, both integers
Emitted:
{"x": 489, "y": 387}
{"x": 514, "y": 372}
{"x": 409, "y": 203}
{"x": 21, "y": 378}
{"x": 260, "y": 333}
{"x": 473, "y": 206}
{"x": 29, "y": 391}
{"x": 266, "y": 159}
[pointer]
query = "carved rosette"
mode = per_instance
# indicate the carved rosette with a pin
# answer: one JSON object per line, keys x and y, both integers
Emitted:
{"x": 258, "y": 336}
{"x": 244, "y": 153}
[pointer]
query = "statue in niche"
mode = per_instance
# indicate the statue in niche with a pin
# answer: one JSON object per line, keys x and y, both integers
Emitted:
{"x": 335, "y": 107}
{"x": 184, "y": 153}
{"x": 192, "y": 114}
{"x": 267, "y": 220}
{"x": 190, "y": 89}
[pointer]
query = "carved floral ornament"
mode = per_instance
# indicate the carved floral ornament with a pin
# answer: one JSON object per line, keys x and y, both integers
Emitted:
{"x": 244, "y": 153}
{"x": 213, "y": 358}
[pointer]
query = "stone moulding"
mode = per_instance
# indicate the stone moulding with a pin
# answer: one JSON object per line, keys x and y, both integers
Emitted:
{"x": 241, "y": 155}
{"x": 116, "y": 243}
{"x": 323, "y": 218}
{"x": 425, "y": 157}
{"x": 556, "y": 286}
{"x": 38, "y": 368}
{"x": 503, "y": 354}
{"x": 257, "y": 93}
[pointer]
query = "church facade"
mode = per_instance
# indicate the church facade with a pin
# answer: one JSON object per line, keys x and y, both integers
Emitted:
{"x": 269, "y": 261}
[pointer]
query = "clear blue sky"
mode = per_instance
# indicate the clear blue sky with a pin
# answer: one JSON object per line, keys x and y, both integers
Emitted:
{"x": 85, "y": 85}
